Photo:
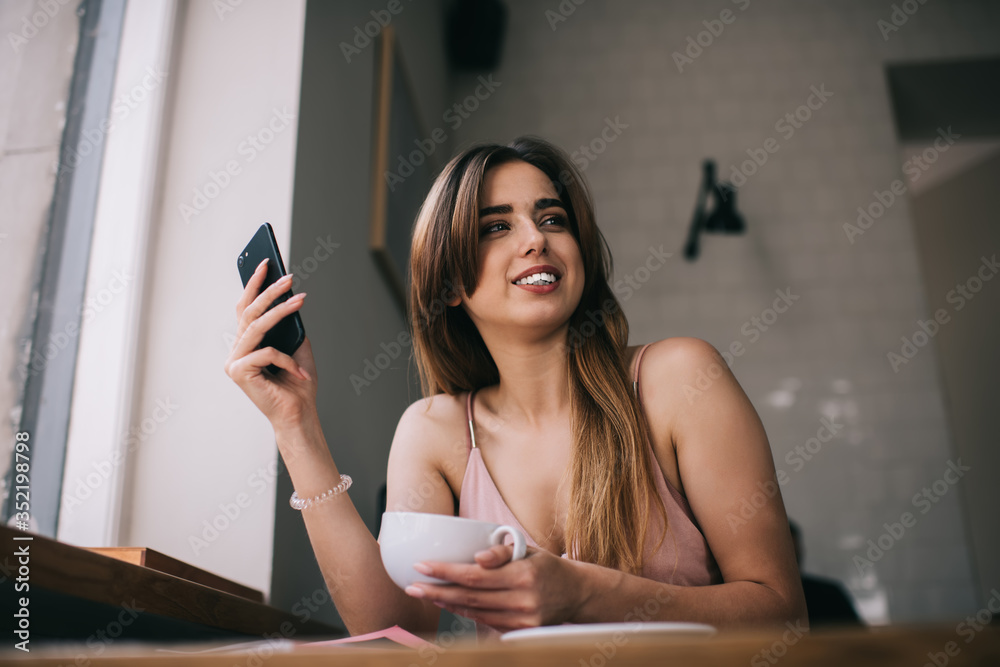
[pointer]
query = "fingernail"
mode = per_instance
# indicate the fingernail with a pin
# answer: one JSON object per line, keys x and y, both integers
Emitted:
{"x": 302, "y": 372}
{"x": 484, "y": 554}
{"x": 298, "y": 297}
{"x": 263, "y": 263}
{"x": 415, "y": 591}
{"x": 285, "y": 278}
{"x": 423, "y": 568}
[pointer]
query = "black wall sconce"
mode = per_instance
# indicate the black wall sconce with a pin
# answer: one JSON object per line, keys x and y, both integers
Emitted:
{"x": 722, "y": 220}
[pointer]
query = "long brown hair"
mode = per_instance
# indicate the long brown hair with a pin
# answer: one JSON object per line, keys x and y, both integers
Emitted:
{"x": 612, "y": 476}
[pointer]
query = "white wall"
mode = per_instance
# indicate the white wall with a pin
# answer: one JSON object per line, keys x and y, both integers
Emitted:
{"x": 233, "y": 75}
{"x": 827, "y": 355}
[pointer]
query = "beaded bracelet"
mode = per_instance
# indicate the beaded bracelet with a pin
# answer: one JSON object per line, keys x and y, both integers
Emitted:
{"x": 304, "y": 503}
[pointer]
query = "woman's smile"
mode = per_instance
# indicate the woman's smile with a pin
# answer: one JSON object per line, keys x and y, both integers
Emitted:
{"x": 540, "y": 279}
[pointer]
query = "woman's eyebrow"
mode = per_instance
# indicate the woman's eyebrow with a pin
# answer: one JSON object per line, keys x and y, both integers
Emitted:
{"x": 504, "y": 209}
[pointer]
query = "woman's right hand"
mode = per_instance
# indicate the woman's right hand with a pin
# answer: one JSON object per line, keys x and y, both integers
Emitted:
{"x": 287, "y": 397}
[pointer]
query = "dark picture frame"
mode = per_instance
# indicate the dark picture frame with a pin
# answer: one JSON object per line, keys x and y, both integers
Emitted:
{"x": 402, "y": 173}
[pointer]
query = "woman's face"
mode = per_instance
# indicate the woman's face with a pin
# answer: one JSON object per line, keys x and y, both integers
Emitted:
{"x": 522, "y": 226}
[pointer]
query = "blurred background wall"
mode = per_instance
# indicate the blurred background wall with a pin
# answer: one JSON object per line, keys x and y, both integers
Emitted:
{"x": 790, "y": 99}
{"x": 564, "y": 76}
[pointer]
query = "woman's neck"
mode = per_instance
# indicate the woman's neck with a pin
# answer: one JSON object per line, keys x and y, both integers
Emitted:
{"x": 533, "y": 388}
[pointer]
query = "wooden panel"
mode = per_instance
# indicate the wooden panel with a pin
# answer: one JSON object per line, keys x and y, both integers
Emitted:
{"x": 163, "y": 563}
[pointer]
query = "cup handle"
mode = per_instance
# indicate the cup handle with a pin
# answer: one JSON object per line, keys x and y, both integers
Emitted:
{"x": 520, "y": 546}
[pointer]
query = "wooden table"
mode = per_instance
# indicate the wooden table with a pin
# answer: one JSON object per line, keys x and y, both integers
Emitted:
{"x": 856, "y": 648}
{"x": 75, "y": 592}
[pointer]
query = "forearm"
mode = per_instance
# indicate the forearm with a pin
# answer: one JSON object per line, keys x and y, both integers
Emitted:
{"x": 348, "y": 555}
{"x": 609, "y": 595}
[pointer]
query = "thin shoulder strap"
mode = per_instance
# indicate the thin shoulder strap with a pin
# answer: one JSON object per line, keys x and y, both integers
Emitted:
{"x": 638, "y": 360}
{"x": 468, "y": 414}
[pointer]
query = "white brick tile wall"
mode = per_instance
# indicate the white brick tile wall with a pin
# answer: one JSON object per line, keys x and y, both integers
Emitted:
{"x": 614, "y": 59}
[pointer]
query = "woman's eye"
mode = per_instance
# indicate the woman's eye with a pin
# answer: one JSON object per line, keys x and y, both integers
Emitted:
{"x": 556, "y": 219}
{"x": 493, "y": 227}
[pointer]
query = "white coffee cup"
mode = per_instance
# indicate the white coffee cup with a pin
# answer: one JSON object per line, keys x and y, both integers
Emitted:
{"x": 407, "y": 538}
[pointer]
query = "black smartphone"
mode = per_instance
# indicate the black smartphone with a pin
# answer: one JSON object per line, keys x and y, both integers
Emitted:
{"x": 288, "y": 334}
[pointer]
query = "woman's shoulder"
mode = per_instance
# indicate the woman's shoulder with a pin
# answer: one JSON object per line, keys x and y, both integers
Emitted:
{"x": 432, "y": 433}
{"x": 674, "y": 367}
{"x": 429, "y": 422}
{"x": 679, "y": 355}
{"x": 437, "y": 411}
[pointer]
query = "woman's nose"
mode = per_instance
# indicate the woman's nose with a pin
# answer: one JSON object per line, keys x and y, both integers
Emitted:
{"x": 532, "y": 239}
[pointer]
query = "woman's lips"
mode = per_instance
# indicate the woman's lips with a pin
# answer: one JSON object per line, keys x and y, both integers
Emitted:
{"x": 540, "y": 289}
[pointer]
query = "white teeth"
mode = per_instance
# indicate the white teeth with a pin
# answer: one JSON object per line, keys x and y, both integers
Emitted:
{"x": 537, "y": 279}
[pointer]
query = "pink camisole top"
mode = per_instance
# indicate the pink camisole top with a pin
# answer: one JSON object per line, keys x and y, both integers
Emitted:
{"x": 683, "y": 558}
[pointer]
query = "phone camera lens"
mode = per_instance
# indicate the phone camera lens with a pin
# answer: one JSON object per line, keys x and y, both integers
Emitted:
{"x": 239, "y": 262}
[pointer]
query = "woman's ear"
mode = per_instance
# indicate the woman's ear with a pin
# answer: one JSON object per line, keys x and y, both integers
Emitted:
{"x": 453, "y": 294}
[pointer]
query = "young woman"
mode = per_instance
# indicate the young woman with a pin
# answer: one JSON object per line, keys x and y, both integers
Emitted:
{"x": 630, "y": 486}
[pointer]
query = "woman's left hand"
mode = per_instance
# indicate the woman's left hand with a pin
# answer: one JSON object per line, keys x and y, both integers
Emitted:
{"x": 540, "y": 589}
